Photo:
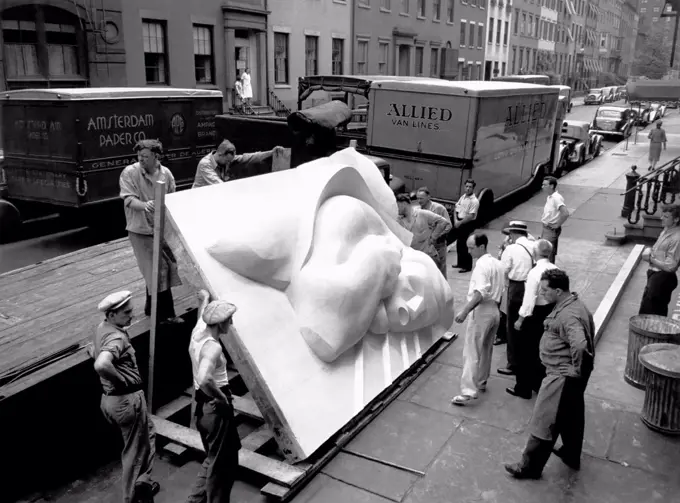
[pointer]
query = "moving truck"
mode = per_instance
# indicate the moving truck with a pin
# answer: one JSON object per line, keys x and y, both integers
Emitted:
{"x": 439, "y": 133}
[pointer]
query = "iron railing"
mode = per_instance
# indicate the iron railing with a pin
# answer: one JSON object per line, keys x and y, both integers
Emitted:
{"x": 660, "y": 186}
{"x": 239, "y": 106}
{"x": 277, "y": 105}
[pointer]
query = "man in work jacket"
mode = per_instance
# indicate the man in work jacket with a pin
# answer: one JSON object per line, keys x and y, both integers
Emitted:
{"x": 423, "y": 195}
{"x": 568, "y": 354}
{"x": 214, "y": 411}
{"x": 123, "y": 402}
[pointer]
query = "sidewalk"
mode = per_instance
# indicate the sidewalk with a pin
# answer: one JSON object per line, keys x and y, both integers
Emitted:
{"x": 462, "y": 450}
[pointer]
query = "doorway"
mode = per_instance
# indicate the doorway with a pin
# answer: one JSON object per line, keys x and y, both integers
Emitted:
{"x": 404, "y": 59}
{"x": 243, "y": 58}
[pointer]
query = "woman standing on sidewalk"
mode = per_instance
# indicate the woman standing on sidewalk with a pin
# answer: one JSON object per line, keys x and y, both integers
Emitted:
{"x": 657, "y": 137}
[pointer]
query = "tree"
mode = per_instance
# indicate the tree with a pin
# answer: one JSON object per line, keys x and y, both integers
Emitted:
{"x": 653, "y": 56}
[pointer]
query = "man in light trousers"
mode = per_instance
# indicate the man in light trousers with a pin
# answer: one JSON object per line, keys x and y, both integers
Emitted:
{"x": 484, "y": 296}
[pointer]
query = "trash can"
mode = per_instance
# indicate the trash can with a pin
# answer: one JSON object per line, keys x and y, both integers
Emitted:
{"x": 647, "y": 329}
{"x": 661, "y": 410}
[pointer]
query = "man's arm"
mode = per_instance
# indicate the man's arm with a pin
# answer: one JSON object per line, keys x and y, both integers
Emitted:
{"x": 564, "y": 214}
{"x": 472, "y": 212}
{"x": 477, "y": 298}
{"x": 578, "y": 343}
{"x": 207, "y": 174}
{"x": 440, "y": 226}
{"x": 129, "y": 193}
{"x": 506, "y": 260}
{"x": 210, "y": 354}
{"x": 529, "y": 300}
{"x": 670, "y": 264}
{"x": 104, "y": 366}
{"x": 482, "y": 292}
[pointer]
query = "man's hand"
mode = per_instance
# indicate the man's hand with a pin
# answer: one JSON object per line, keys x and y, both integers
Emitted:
{"x": 518, "y": 325}
{"x": 149, "y": 206}
{"x": 462, "y": 316}
{"x": 647, "y": 254}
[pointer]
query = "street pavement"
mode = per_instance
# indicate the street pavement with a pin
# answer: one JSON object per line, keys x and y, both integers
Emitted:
{"x": 461, "y": 451}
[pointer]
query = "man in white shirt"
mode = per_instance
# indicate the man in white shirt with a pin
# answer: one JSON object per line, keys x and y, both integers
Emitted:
{"x": 465, "y": 216}
{"x": 535, "y": 308}
{"x": 484, "y": 295}
{"x": 555, "y": 213}
{"x": 423, "y": 195}
{"x": 517, "y": 260}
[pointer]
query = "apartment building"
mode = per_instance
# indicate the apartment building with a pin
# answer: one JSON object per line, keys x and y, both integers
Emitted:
{"x": 524, "y": 37}
{"x": 609, "y": 44}
{"x": 307, "y": 38}
{"x": 564, "y": 44}
{"x": 472, "y": 18}
{"x": 498, "y": 38}
{"x": 628, "y": 33}
{"x": 547, "y": 36}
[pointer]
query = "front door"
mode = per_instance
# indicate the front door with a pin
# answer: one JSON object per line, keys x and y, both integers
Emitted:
{"x": 404, "y": 59}
{"x": 243, "y": 58}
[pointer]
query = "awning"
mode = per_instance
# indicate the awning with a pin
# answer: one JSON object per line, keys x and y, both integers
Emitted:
{"x": 570, "y": 7}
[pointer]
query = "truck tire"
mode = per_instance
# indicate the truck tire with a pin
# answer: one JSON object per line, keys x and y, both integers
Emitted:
{"x": 10, "y": 221}
{"x": 486, "y": 201}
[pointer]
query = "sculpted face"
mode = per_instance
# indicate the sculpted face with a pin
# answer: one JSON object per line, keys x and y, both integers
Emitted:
{"x": 351, "y": 276}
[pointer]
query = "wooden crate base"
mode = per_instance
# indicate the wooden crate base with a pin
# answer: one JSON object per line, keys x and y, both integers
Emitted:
{"x": 285, "y": 479}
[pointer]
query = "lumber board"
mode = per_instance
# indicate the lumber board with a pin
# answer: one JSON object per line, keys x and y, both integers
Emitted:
{"x": 257, "y": 438}
{"x": 170, "y": 409}
{"x": 46, "y": 268}
{"x": 272, "y": 469}
{"x": 246, "y": 407}
{"x": 183, "y": 304}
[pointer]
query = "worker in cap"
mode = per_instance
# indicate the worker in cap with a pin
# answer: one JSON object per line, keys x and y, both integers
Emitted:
{"x": 214, "y": 410}
{"x": 122, "y": 401}
{"x": 517, "y": 260}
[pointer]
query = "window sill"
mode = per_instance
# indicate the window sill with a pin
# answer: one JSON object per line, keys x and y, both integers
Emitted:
{"x": 421, "y": 18}
{"x": 405, "y": 14}
{"x": 436, "y": 21}
{"x": 282, "y": 86}
{"x": 450, "y": 23}
{"x": 362, "y": 6}
{"x": 387, "y": 11}
{"x": 343, "y": 2}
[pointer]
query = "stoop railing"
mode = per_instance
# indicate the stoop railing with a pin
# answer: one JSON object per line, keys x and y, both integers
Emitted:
{"x": 660, "y": 186}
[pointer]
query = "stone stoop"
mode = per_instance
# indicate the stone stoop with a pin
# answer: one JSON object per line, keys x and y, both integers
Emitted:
{"x": 645, "y": 233}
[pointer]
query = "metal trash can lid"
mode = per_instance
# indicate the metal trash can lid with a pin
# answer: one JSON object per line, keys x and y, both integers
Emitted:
{"x": 661, "y": 358}
{"x": 654, "y": 323}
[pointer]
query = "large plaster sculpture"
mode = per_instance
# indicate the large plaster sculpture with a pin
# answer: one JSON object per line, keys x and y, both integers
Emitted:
{"x": 333, "y": 303}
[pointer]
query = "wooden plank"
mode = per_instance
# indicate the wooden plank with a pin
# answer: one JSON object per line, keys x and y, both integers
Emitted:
{"x": 608, "y": 304}
{"x": 183, "y": 304}
{"x": 274, "y": 470}
{"x": 175, "y": 450}
{"x": 246, "y": 407}
{"x": 177, "y": 405}
{"x": 257, "y": 438}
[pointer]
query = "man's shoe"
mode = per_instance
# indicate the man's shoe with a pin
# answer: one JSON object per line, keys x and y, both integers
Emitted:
{"x": 506, "y": 372}
{"x": 518, "y": 472}
{"x": 574, "y": 465}
{"x": 514, "y": 392}
{"x": 463, "y": 270}
{"x": 498, "y": 342}
{"x": 463, "y": 399}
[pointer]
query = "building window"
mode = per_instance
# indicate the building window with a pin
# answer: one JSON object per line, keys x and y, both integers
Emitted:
{"x": 365, "y": 3}
{"x": 498, "y": 32}
{"x": 362, "y": 57}
{"x": 480, "y": 36}
{"x": 449, "y": 11}
{"x": 383, "y": 55}
{"x": 434, "y": 62}
{"x": 419, "y": 61}
{"x": 203, "y": 54}
{"x": 153, "y": 33}
{"x": 515, "y": 26}
{"x": 386, "y": 4}
{"x": 338, "y": 56}
{"x": 311, "y": 55}
{"x": 505, "y": 35}
{"x": 436, "y": 9}
{"x": 491, "y": 29}
{"x": 35, "y": 50}
{"x": 405, "y": 6}
{"x": 471, "y": 36}
{"x": 530, "y": 25}
{"x": 462, "y": 34}
{"x": 523, "y": 25}
{"x": 503, "y": 69}
{"x": 421, "y": 8}
{"x": 280, "y": 58}
{"x": 514, "y": 60}
{"x": 473, "y": 2}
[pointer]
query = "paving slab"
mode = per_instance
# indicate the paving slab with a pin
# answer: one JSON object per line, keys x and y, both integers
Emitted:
{"x": 376, "y": 478}
{"x": 406, "y": 434}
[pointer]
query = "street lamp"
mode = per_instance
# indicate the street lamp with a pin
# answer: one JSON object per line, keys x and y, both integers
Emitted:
{"x": 671, "y": 8}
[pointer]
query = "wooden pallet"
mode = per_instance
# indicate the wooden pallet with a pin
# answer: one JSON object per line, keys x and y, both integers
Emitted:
{"x": 284, "y": 480}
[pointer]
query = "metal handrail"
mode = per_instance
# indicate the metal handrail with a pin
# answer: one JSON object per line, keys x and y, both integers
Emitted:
{"x": 653, "y": 174}
{"x": 279, "y": 108}
{"x": 660, "y": 184}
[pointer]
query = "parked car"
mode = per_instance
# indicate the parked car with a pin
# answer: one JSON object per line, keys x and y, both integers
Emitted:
{"x": 594, "y": 97}
{"x": 621, "y": 92}
{"x": 658, "y": 110}
{"x": 671, "y": 104}
{"x": 642, "y": 112}
{"x": 578, "y": 144}
{"x": 613, "y": 120}
{"x": 609, "y": 94}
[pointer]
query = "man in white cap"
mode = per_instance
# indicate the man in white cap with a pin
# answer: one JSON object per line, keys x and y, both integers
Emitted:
{"x": 517, "y": 260}
{"x": 123, "y": 402}
{"x": 214, "y": 410}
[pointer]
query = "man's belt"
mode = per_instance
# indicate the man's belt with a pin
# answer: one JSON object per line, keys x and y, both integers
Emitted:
{"x": 201, "y": 397}
{"x": 124, "y": 391}
{"x": 519, "y": 282}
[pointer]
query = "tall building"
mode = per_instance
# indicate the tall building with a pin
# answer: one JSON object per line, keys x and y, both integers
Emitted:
{"x": 307, "y": 38}
{"x": 628, "y": 33}
{"x": 564, "y": 43}
{"x": 547, "y": 56}
{"x": 498, "y": 38}
{"x": 471, "y": 16}
{"x": 524, "y": 37}
{"x": 609, "y": 42}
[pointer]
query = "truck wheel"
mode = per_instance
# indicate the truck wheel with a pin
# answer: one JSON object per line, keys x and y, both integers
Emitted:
{"x": 485, "y": 207}
{"x": 10, "y": 221}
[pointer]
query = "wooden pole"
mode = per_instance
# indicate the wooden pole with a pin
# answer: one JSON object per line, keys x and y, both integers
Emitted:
{"x": 158, "y": 232}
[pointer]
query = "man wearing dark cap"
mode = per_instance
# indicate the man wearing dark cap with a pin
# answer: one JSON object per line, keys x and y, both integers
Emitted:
{"x": 138, "y": 191}
{"x": 223, "y": 164}
{"x": 517, "y": 260}
{"x": 214, "y": 410}
{"x": 123, "y": 402}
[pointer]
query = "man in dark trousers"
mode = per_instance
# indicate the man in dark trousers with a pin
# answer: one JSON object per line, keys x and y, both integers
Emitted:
{"x": 663, "y": 258}
{"x": 465, "y": 217}
{"x": 214, "y": 411}
{"x": 568, "y": 354}
{"x": 123, "y": 402}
